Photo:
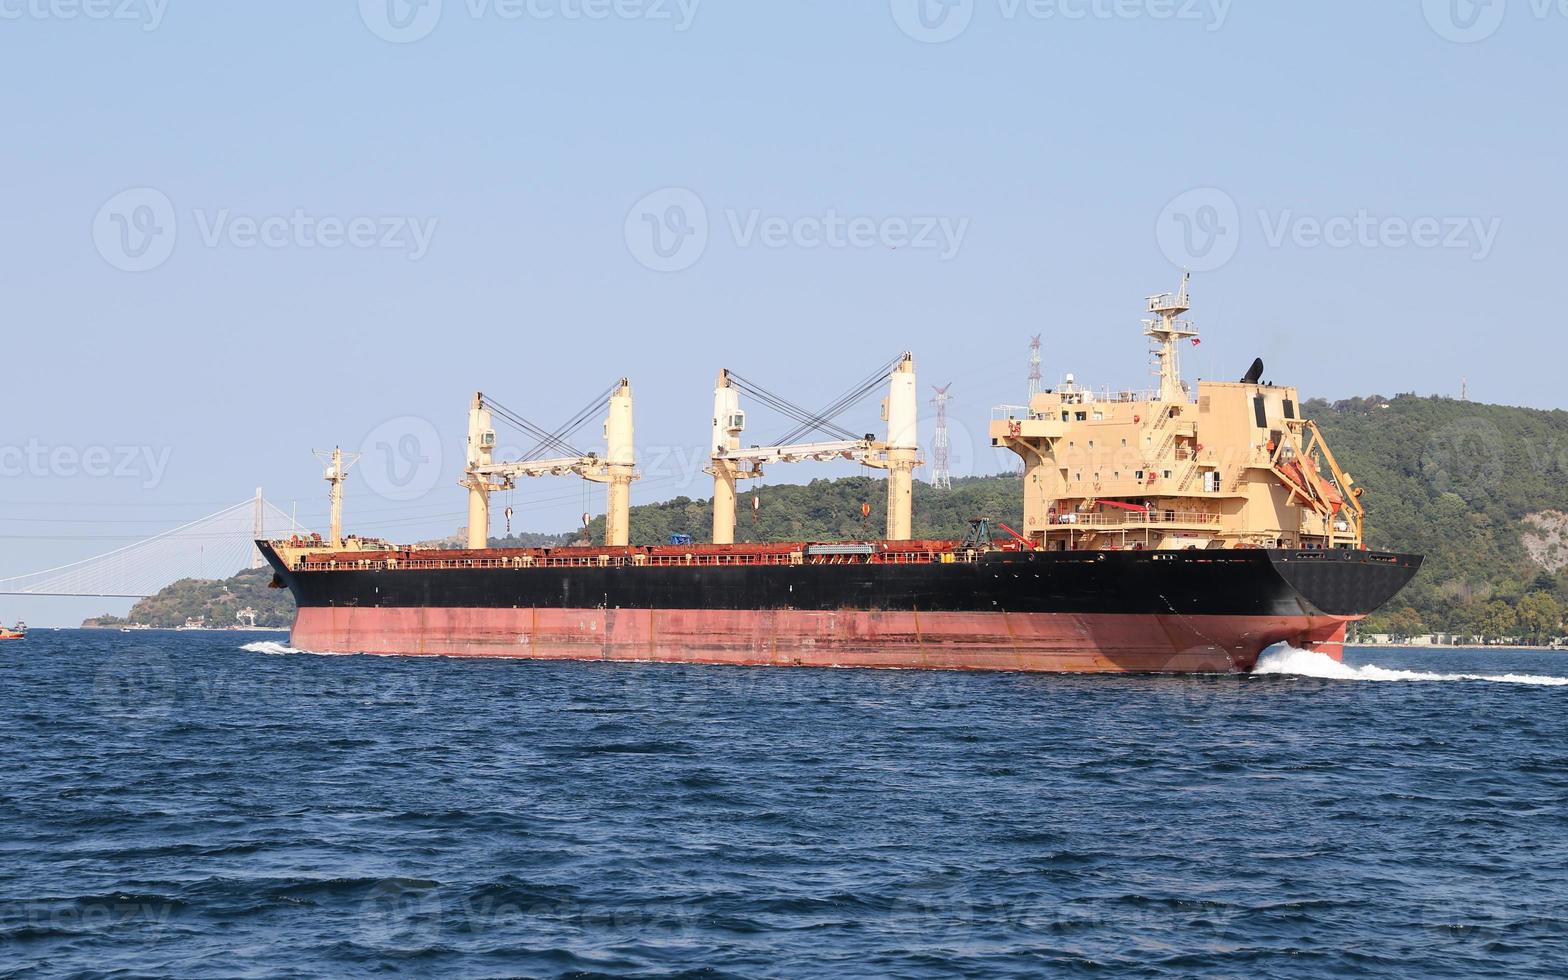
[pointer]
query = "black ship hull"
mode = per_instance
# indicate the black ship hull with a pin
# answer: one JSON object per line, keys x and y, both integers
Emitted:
{"x": 1043, "y": 611}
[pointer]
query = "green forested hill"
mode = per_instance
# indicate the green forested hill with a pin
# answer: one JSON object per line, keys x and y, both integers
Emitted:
{"x": 1481, "y": 490}
{"x": 829, "y": 510}
{"x": 213, "y": 602}
{"x": 1456, "y": 481}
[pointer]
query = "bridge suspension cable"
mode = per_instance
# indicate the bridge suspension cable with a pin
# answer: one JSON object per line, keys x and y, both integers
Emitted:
{"x": 214, "y": 547}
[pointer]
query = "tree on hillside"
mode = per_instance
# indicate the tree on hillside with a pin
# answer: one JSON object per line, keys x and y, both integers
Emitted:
{"x": 1540, "y": 617}
{"x": 1401, "y": 624}
{"x": 1497, "y": 620}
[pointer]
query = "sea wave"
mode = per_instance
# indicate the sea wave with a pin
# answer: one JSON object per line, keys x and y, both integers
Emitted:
{"x": 271, "y": 647}
{"x": 172, "y": 807}
{"x": 1307, "y": 663}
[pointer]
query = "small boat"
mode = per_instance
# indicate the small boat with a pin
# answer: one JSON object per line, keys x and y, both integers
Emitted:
{"x": 17, "y": 632}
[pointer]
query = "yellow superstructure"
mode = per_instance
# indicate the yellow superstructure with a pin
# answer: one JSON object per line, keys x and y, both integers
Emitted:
{"x": 1235, "y": 466}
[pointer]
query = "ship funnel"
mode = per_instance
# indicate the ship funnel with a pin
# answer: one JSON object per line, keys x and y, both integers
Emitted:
{"x": 1254, "y": 374}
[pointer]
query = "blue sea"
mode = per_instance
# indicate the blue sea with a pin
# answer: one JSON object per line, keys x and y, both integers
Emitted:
{"x": 216, "y": 805}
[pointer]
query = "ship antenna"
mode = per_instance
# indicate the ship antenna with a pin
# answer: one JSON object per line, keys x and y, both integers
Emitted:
{"x": 338, "y": 464}
{"x": 1036, "y": 381}
{"x": 1167, "y": 332}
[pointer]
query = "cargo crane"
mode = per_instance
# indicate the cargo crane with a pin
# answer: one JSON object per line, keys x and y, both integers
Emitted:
{"x": 899, "y": 454}
{"x": 617, "y": 469}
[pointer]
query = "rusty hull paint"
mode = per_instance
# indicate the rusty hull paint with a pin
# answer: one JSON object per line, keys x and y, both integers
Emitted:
{"x": 1048, "y": 643}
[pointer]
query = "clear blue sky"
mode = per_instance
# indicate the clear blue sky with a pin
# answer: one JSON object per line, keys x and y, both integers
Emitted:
{"x": 1063, "y": 139}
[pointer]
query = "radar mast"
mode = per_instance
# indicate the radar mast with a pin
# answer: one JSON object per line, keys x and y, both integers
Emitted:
{"x": 1167, "y": 332}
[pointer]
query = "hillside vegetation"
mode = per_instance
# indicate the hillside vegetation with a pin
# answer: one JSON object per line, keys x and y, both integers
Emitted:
{"x": 822, "y": 510}
{"x": 1481, "y": 490}
{"x": 215, "y": 603}
{"x": 1475, "y": 488}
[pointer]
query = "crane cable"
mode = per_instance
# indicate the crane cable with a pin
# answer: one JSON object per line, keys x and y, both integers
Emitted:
{"x": 572, "y": 427}
{"x": 552, "y": 441}
{"x": 531, "y": 430}
{"x": 821, "y": 421}
{"x": 848, "y": 400}
{"x": 779, "y": 404}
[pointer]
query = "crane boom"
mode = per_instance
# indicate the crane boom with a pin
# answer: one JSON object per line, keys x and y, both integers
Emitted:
{"x": 507, "y": 473}
{"x": 618, "y": 468}
{"x": 820, "y": 452}
{"x": 898, "y": 454}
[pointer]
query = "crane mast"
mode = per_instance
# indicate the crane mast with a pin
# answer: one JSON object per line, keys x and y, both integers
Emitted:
{"x": 617, "y": 469}
{"x": 338, "y": 464}
{"x": 899, "y": 454}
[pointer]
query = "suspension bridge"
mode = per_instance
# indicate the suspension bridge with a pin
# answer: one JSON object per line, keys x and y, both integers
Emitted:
{"x": 215, "y": 547}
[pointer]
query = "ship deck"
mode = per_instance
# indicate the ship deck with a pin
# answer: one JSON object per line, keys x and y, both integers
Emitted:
{"x": 790, "y": 553}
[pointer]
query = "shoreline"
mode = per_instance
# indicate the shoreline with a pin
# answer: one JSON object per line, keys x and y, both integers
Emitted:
{"x": 1455, "y": 646}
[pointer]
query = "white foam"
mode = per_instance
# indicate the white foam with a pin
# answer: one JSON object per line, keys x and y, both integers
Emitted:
{"x": 1306, "y": 663}
{"x": 272, "y": 647}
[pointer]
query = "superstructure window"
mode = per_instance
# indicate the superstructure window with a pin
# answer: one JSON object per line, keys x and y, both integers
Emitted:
{"x": 1260, "y": 411}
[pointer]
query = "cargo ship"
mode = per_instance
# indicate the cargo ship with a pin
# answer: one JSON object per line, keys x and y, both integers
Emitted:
{"x": 1165, "y": 531}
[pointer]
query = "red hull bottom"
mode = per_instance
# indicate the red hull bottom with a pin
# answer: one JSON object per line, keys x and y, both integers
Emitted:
{"x": 1045, "y": 643}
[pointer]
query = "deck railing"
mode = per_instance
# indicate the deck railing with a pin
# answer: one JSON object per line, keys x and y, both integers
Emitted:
{"x": 634, "y": 560}
{"x": 1130, "y": 519}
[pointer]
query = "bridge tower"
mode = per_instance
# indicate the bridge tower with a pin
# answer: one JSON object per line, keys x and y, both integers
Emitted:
{"x": 258, "y": 528}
